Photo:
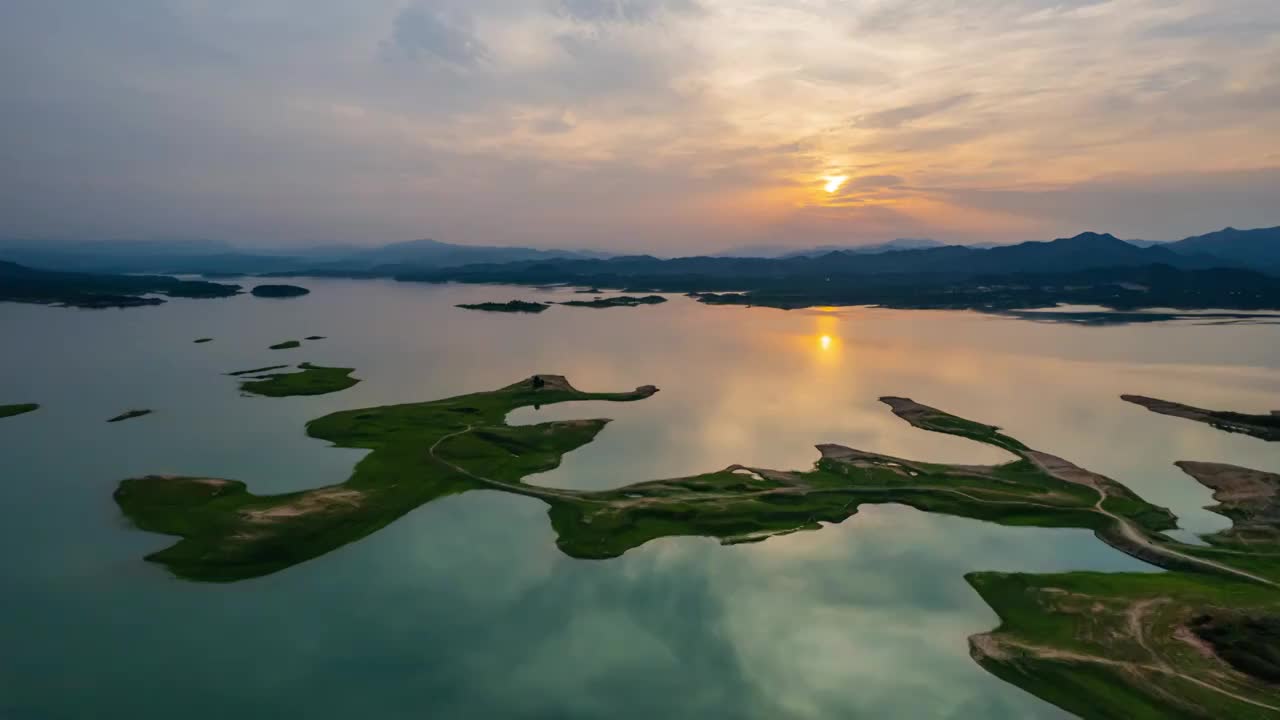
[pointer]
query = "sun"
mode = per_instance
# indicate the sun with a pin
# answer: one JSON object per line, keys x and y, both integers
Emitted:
{"x": 834, "y": 182}
{"x": 825, "y": 342}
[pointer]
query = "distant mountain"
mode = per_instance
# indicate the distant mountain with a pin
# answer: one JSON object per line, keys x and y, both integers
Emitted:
{"x": 221, "y": 258}
{"x": 781, "y": 251}
{"x": 433, "y": 253}
{"x": 1252, "y": 248}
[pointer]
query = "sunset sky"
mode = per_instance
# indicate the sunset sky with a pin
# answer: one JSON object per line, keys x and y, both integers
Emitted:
{"x": 667, "y": 126}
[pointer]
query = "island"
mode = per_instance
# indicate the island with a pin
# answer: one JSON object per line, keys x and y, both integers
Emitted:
{"x": 19, "y": 409}
{"x": 19, "y": 283}
{"x": 315, "y": 337}
{"x": 129, "y": 415}
{"x": 512, "y": 306}
{"x": 619, "y": 301}
{"x": 286, "y": 345}
{"x": 1102, "y": 645}
{"x": 1266, "y": 427}
{"x": 313, "y": 380}
{"x": 279, "y": 291}
{"x": 200, "y": 341}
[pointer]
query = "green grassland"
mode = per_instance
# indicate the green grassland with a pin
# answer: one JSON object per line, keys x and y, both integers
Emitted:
{"x": 1099, "y": 645}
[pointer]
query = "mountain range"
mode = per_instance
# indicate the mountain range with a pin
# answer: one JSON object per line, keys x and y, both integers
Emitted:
{"x": 1253, "y": 249}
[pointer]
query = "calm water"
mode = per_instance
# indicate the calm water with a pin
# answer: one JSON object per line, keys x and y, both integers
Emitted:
{"x": 464, "y": 608}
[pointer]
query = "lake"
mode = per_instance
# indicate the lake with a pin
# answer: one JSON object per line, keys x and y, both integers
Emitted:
{"x": 465, "y": 608}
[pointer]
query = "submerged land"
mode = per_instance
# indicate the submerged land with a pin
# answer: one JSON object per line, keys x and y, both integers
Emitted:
{"x": 18, "y": 409}
{"x": 311, "y": 380}
{"x": 1131, "y": 645}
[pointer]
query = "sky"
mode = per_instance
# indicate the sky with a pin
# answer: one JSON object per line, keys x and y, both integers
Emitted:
{"x": 668, "y": 126}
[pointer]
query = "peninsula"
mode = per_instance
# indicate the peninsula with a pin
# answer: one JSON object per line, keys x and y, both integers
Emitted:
{"x": 1266, "y": 427}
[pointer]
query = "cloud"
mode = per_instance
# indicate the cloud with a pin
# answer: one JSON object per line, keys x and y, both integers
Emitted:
{"x": 631, "y": 125}
{"x": 630, "y": 11}
{"x": 422, "y": 32}
{"x": 898, "y": 116}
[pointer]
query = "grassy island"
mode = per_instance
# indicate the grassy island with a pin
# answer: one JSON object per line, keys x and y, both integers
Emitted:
{"x": 19, "y": 409}
{"x": 1101, "y": 645}
{"x": 286, "y": 345}
{"x": 312, "y": 380}
{"x": 513, "y": 306}
{"x": 279, "y": 291}
{"x": 129, "y": 415}
{"x": 619, "y": 301}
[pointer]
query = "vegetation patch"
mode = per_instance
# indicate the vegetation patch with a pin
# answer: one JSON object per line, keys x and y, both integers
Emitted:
{"x": 312, "y": 380}
{"x": 286, "y": 345}
{"x": 129, "y": 415}
{"x": 19, "y": 409}
{"x": 200, "y": 341}
{"x": 1251, "y": 643}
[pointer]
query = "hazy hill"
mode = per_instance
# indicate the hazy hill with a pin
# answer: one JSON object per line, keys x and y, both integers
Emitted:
{"x": 215, "y": 257}
{"x": 1253, "y": 248}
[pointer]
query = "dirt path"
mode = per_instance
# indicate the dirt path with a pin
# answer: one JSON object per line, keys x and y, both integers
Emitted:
{"x": 1068, "y": 472}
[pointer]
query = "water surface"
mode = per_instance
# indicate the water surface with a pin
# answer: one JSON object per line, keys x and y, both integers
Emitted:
{"x": 464, "y": 608}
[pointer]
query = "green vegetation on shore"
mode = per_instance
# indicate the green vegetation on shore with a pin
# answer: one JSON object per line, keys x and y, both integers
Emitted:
{"x": 19, "y": 409}
{"x": 1100, "y": 645}
{"x": 312, "y": 380}
{"x": 129, "y": 415}
{"x": 286, "y": 345}
{"x": 512, "y": 306}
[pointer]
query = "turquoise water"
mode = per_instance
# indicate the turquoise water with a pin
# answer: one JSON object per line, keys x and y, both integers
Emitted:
{"x": 465, "y": 608}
